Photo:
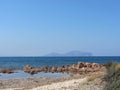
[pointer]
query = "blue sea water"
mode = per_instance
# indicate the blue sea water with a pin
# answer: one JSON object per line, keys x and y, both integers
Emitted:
{"x": 19, "y": 62}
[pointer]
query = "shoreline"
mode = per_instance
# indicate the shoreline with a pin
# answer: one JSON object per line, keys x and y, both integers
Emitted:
{"x": 76, "y": 82}
{"x": 64, "y": 70}
{"x": 76, "y": 74}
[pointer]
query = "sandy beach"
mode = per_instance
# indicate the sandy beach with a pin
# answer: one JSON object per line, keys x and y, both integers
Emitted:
{"x": 77, "y": 82}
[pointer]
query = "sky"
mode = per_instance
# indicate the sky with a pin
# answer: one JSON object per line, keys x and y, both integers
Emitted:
{"x": 38, "y": 27}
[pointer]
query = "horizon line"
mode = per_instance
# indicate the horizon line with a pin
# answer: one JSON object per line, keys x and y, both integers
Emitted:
{"x": 66, "y": 56}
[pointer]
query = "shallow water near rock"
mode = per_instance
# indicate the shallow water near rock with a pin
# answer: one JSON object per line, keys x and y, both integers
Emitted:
{"x": 21, "y": 74}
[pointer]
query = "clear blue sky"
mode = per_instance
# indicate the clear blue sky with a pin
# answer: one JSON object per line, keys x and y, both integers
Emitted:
{"x": 37, "y": 27}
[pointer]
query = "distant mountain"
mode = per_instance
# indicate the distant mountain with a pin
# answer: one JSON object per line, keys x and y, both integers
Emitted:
{"x": 71, "y": 53}
{"x": 54, "y": 54}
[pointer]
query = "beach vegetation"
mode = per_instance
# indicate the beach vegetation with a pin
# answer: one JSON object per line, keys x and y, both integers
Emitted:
{"x": 95, "y": 76}
{"x": 113, "y": 76}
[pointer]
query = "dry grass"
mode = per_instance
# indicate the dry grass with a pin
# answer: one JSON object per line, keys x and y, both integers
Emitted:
{"x": 113, "y": 76}
{"x": 96, "y": 75}
{"x": 117, "y": 66}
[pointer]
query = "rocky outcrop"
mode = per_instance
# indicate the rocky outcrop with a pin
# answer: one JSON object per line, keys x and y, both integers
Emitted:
{"x": 3, "y": 70}
{"x": 32, "y": 70}
{"x": 79, "y": 68}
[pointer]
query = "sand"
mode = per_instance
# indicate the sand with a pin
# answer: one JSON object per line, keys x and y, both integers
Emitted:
{"x": 66, "y": 83}
{"x": 57, "y": 86}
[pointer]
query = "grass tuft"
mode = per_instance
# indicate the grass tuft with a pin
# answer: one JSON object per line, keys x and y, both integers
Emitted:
{"x": 95, "y": 76}
{"x": 113, "y": 76}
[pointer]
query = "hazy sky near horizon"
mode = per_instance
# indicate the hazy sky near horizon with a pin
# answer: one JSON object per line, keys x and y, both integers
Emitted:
{"x": 37, "y": 27}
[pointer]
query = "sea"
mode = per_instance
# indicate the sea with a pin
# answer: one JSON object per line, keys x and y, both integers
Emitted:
{"x": 17, "y": 63}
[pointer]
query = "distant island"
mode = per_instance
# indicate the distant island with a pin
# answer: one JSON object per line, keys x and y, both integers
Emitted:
{"x": 71, "y": 53}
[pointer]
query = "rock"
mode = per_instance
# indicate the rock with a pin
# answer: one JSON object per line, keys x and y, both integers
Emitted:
{"x": 83, "y": 69}
{"x": 35, "y": 70}
{"x": 53, "y": 69}
{"x": 59, "y": 69}
{"x": 27, "y": 68}
{"x": 73, "y": 66}
{"x": 70, "y": 67}
{"x": 32, "y": 72}
{"x": 79, "y": 68}
{"x": 80, "y": 65}
{"x": 49, "y": 69}
{"x": 63, "y": 66}
{"x": 45, "y": 68}
{"x": 95, "y": 65}
{"x": 74, "y": 71}
{"x": 6, "y": 71}
{"x": 89, "y": 65}
{"x": 67, "y": 68}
